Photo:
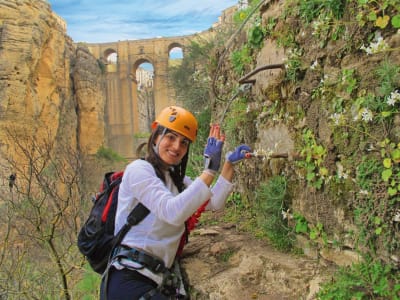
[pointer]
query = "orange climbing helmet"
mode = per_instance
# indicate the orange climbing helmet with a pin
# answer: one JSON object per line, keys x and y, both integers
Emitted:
{"x": 179, "y": 120}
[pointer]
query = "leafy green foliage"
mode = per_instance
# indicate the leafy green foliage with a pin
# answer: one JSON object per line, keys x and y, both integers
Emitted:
{"x": 294, "y": 65}
{"x": 272, "y": 201}
{"x": 310, "y": 9}
{"x": 349, "y": 80}
{"x": 367, "y": 280}
{"x": 396, "y": 21}
{"x": 381, "y": 13}
{"x": 361, "y": 107}
{"x": 379, "y": 183}
{"x": 256, "y": 35}
{"x": 190, "y": 79}
{"x": 368, "y": 172}
{"x": 301, "y": 224}
{"x": 240, "y": 59}
{"x": 314, "y": 155}
{"x": 388, "y": 76}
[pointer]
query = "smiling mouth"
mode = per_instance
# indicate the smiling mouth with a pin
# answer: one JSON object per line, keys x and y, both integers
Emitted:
{"x": 173, "y": 154}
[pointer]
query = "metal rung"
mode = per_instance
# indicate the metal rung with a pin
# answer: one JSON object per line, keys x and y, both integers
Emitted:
{"x": 245, "y": 78}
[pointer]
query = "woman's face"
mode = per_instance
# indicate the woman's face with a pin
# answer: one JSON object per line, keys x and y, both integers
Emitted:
{"x": 172, "y": 147}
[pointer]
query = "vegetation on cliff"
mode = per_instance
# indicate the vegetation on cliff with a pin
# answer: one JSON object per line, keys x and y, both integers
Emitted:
{"x": 339, "y": 96}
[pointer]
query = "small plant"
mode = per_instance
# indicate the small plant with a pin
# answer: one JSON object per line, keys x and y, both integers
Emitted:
{"x": 376, "y": 202}
{"x": 310, "y": 9}
{"x": 314, "y": 155}
{"x": 317, "y": 232}
{"x": 269, "y": 28}
{"x": 273, "y": 214}
{"x": 389, "y": 77}
{"x": 301, "y": 224}
{"x": 235, "y": 199}
{"x": 378, "y": 44}
{"x": 109, "y": 154}
{"x": 367, "y": 280}
{"x": 368, "y": 173}
{"x": 240, "y": 59}
{"x": 225, "y": 255}
{"x": 390, "y": 153}
{"x": 381, "y": 13}
{"x": 293, "y": 65}
{"x": 256, "y": 35}
{"x": 349, "y": 81}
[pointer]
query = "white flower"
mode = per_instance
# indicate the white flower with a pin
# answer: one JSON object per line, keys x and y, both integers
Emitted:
{"x": 391, "y": 101}
{"x": 314, "y": 65}
{"x": 340, "y": 171}
{"x": 377, "y": 45}
{"x": 364, "y": 192}
{"x": 366, "y": 115}
{"x": 336, "y": 117}
{"x": 393, "y": 98}
{"x": 396, "y": 217}
{"x": 286, "y": 214}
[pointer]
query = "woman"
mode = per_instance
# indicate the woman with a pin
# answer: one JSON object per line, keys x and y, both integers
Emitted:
{"x": 141, "y": 268}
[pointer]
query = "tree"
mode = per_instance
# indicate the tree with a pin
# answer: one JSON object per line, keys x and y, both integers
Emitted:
{"x": 39, "y": 216}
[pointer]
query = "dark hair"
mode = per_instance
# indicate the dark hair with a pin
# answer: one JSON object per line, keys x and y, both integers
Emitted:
{"x": 177, "y": 172}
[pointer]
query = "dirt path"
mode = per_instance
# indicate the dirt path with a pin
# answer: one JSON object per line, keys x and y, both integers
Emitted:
{"x": 222, "y": 263}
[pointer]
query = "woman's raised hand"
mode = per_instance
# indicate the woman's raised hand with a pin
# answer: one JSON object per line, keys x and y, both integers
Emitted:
{"x": 213, "y": 149}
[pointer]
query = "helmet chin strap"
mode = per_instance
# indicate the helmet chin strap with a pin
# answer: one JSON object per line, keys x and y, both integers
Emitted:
{"x": 156, "y": 146}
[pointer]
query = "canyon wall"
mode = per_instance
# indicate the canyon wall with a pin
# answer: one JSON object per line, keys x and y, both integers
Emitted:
{"x": 48, "y": 86}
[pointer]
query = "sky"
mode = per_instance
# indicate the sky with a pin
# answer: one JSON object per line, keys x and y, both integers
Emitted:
{"x": 103, "y": 21}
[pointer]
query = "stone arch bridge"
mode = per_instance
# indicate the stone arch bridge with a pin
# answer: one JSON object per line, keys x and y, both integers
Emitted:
{"x": 127, "y": 115}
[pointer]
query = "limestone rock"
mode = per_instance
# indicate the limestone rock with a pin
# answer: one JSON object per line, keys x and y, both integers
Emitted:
{"x": 38, "y": 91}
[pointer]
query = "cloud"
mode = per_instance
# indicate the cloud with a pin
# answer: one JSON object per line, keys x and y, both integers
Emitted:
{"x": 107, "y": 21}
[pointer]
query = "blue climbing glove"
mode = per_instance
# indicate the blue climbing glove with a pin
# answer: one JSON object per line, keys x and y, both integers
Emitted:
{"x": 238, "y": 154}
{"x": 212, "y": 154}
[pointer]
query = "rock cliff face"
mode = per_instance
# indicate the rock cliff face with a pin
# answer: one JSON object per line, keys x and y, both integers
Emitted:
{"x": 47, "y": 85}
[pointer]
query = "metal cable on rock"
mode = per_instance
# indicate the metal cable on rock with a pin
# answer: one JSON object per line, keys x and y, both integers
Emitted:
{"x": 228, "y": 45}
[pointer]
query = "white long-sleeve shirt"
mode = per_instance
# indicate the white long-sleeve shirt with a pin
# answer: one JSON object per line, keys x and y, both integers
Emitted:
{"x": 160, "y": 232}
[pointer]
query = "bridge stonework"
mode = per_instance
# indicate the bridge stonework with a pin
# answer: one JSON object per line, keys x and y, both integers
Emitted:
{"x": 126, "y": 118}
{"x": 123, "y": 116}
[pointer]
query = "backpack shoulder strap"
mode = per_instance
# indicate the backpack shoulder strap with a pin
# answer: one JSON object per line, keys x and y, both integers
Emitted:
{"x": 135, "y": 217}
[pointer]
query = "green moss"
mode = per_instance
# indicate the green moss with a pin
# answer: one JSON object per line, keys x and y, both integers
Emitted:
{"x": 109, "y": 154}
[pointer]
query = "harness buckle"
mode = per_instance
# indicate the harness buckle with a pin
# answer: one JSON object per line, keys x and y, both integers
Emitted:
{"x": 159, "y": 268}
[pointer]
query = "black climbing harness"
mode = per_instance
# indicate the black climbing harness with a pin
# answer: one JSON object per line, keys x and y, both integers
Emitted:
{"x": 172, "y": 284}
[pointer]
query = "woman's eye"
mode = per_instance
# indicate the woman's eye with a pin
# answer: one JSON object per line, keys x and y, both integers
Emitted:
{"x": 185, "y": 142}
{"x": 171, "y": 137}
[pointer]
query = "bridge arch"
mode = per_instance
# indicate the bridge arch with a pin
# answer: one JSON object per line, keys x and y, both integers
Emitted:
{"x": 108, "y": 52}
